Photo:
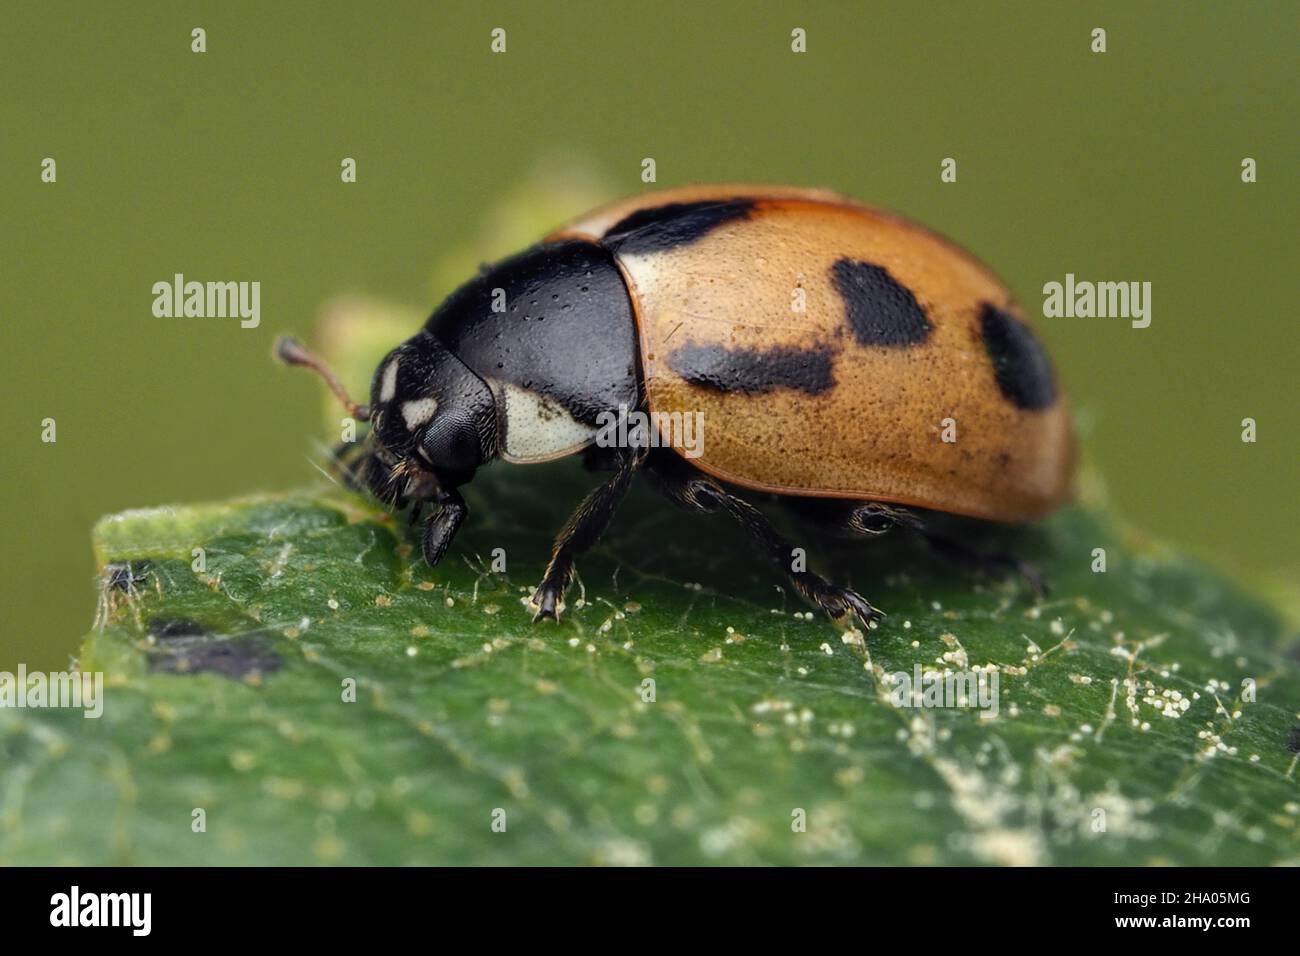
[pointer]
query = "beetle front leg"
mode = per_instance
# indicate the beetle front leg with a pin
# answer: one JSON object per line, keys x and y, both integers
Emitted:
{"x": 347, "y": 461}
{"x": 580, "y": 532}
{"x": 443, "y": 525}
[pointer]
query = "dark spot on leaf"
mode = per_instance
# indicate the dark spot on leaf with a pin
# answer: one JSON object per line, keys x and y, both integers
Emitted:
{"x": 235, "y": 657}
{"x": 674, "y": 224}
{"x": 1293, "y": 740}
{"x": 880, "y": 310}
{"x": 1023, "y": 372}
{"x": 166, "y": 628}
{"x": 126, "y": 575}
{"x": 754, "y": 372}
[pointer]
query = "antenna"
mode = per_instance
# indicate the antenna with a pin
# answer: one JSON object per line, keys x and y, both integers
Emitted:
{"x": 292, "y": 352}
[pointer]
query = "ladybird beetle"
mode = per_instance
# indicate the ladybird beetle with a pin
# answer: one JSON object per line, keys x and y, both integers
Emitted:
{"x": 834, "y": 352}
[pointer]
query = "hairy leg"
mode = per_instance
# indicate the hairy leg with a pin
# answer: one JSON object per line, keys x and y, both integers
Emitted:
{"x": 692, "y": 490}
{"x": 870, "y": 519}
{"x": 583, "y": 529}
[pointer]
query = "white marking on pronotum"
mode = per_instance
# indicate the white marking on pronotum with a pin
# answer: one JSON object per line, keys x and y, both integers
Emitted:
{"x": 419, "y": 411}
{"x": 388, "y": 387}
{"x": 538, "y": 429}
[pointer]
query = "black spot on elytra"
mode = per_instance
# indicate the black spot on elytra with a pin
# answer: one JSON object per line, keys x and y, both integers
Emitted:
{"x": 673, "y": 224}
{"x": 1023, "y": 372}
{"x": 1293, "y": 740}
{"x": 188, "y": 649}
{"x": 754, "y": 372}
{"x": 881, "y": 311}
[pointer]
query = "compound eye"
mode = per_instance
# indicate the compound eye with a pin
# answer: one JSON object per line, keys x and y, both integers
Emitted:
{"x": 450, "y": 444}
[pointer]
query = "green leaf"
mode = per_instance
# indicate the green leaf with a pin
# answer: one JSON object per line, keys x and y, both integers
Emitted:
{"x": 225, "y": 693}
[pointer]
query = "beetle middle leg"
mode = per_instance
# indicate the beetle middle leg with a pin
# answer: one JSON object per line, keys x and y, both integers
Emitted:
{"x": 580, "y": 532}
{"x": 689, "y": 488}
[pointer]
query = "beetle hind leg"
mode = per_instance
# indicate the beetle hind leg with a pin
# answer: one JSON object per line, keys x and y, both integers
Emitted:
{"x": 688, "y": 488}
{"x": 874, "y": 518}
{"x": 994, "y": 564}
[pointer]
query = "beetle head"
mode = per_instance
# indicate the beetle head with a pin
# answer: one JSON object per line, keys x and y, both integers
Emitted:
{"x": 433, "y": 421}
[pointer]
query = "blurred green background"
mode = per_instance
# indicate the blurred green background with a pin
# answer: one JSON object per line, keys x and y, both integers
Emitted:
{"x": 225, "y": 165}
